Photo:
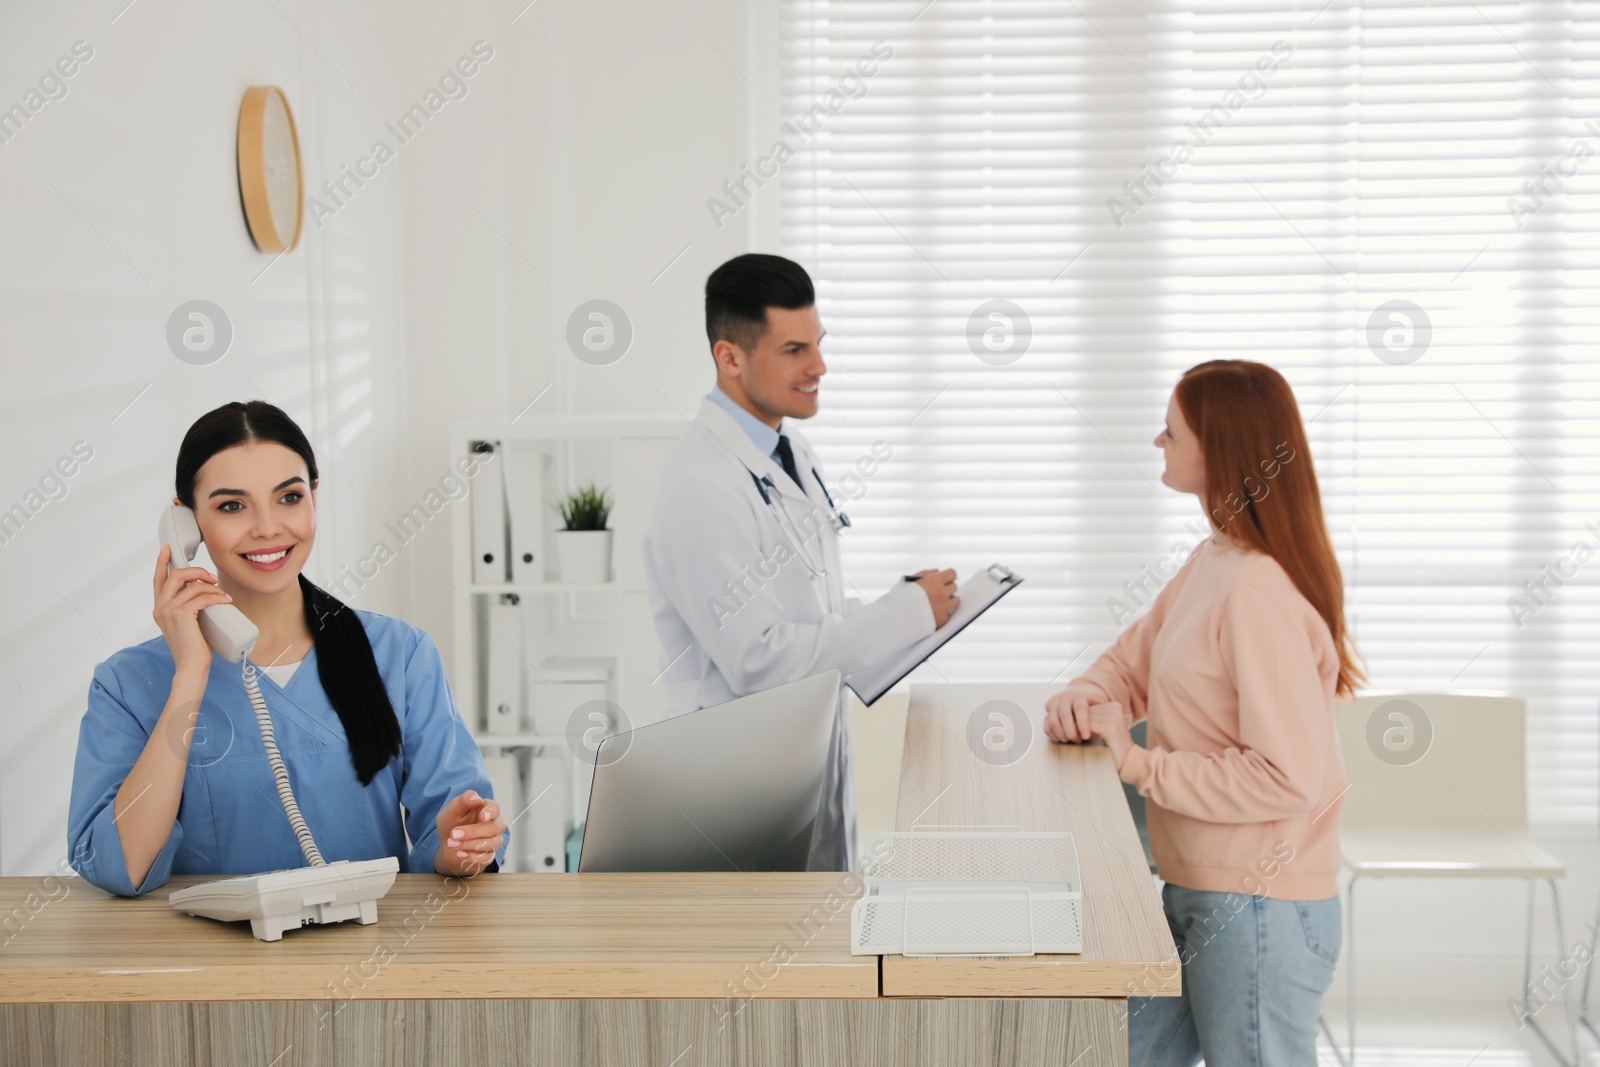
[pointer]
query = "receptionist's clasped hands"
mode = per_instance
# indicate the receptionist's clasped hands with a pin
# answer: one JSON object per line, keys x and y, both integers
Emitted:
{"x": 1073, "y": 716}
{"x": 471, "y": 831}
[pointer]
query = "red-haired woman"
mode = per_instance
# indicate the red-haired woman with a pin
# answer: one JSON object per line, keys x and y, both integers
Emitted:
{"x": 1235, "y": 666}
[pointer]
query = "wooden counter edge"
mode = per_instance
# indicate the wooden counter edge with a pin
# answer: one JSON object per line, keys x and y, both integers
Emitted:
{"x": 533, "y": 981}
{"x": 1036, "y": 976}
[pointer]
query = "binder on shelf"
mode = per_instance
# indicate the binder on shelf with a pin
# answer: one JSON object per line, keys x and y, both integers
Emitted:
{"x": 523, "y": 465}
{"x": 547, "y": 815}
{"x": 489, "y": 517}
{"x": 503, "y": 674}
{"x": 505, "y": 778}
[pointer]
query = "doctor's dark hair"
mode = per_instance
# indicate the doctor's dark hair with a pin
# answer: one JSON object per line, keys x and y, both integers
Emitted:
{"x": 739, "y": 292}
{"x": 345, "y": 663}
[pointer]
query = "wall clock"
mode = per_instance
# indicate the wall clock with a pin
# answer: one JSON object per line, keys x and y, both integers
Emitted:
{"x": 269, "y": 169}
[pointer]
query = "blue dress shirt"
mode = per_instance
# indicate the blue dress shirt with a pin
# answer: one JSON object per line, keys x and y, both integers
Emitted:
{"x": 764, "y": 436}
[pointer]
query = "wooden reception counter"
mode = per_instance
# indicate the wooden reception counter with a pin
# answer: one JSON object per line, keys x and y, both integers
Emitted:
{"x": 682, "y": 969}
{"x": 1032, "y": 784}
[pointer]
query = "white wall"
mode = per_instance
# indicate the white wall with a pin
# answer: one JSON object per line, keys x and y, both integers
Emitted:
{"x": 578, "y": 170}
{"x": 576, "y": 165}
{"x": 119, "y": 202}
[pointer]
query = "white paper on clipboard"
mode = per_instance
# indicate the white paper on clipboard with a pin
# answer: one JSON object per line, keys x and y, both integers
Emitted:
{"x": 978, "y": 594}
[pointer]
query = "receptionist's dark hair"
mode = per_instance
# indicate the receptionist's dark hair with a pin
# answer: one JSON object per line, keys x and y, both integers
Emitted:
{"x": 345, "y": 663}
{"x": 739, "y": 292}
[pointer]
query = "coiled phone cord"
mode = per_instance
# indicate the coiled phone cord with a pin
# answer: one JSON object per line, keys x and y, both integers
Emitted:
{"x": 280, "y": 773}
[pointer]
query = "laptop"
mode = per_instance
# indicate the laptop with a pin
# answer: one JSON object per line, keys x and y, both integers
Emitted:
{"x": 732, "y": 787}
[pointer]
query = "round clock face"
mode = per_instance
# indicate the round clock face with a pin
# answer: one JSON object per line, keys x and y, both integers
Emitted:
{"x": 269, "y": 169}
{"x": 280, "y": 163}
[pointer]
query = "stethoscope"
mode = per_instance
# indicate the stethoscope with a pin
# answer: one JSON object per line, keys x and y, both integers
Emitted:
{"x": 786, "y": 524}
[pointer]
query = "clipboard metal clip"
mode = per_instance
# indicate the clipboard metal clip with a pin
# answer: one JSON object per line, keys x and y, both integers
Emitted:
{"x": 1001, "y": 573}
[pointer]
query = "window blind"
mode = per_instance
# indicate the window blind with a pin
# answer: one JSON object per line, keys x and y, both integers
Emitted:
{"x": 1026, "y": 218}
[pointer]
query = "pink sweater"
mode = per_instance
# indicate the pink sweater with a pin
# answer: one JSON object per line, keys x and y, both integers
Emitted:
{"x": 1235, "y": 671}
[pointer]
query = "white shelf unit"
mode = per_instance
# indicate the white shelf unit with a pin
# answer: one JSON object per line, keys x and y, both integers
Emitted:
{"x": 624, "y": 455}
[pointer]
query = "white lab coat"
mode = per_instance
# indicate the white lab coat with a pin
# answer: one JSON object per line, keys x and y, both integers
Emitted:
{"x": 738, "y": 612}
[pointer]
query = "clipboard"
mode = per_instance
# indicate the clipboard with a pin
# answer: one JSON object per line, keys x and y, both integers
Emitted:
{"x": 978, "y": 594}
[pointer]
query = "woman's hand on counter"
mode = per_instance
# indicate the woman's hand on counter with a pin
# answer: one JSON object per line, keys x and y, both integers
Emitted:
{"x": 1113, "y": 723}
{"x": 1073, "y": 716}
{"x": 1066, "y": 716}
{"x": 471, "y": 831}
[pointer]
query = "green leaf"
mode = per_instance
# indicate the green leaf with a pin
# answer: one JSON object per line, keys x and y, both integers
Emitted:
{"x": 585, "y": 508}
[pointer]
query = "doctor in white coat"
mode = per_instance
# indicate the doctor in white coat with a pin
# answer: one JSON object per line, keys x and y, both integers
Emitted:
{"x": 742, "y": 553}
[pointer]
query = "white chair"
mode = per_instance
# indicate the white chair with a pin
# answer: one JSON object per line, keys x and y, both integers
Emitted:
{"x": 1586, "y": 1020}
{"x": 1437, "y": 789}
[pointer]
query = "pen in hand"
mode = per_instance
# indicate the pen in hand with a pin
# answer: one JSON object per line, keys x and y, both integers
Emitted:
{"x": 940, "y": 586}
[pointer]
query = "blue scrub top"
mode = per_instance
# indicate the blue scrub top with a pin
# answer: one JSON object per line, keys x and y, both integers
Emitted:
{"x": 230, "y": 820}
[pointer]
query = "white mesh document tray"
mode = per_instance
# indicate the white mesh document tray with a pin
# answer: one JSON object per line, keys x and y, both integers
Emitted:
{"x": 969, "y": 893}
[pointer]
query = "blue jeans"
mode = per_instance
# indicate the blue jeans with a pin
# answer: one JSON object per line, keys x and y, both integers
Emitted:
{"x": 1254, "y": 971}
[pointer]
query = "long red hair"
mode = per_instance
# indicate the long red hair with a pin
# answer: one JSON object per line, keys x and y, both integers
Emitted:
{"x": 1261, "y": 486}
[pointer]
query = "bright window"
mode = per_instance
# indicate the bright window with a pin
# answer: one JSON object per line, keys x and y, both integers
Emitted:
{"x": 1396, "y": 204}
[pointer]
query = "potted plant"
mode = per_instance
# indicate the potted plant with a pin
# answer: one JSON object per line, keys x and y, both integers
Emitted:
{"x": 583, "y": 548}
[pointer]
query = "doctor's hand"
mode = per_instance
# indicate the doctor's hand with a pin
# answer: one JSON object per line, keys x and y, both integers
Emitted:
{"x": 470, "y": 833}
{"x": 941, "y": 589}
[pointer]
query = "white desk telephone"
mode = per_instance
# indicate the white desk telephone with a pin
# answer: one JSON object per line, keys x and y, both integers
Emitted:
{"x": 275, "y": 901}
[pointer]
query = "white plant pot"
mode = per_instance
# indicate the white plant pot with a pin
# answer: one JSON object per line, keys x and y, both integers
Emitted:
{"x": 584, "y": 555}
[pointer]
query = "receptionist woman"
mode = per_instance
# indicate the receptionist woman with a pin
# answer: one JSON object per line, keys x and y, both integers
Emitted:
{"x": 172, "y": 776}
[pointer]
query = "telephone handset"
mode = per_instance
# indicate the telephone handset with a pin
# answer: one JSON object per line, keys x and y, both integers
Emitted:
{"x": 275, "y": 901}
{"x": 224, "y": 626}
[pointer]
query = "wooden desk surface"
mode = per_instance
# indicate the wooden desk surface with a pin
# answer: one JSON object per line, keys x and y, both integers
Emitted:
{"x": 646, "y": 936}
{"x": 1128, "y": 949}
{"x": 503, "y": 935}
